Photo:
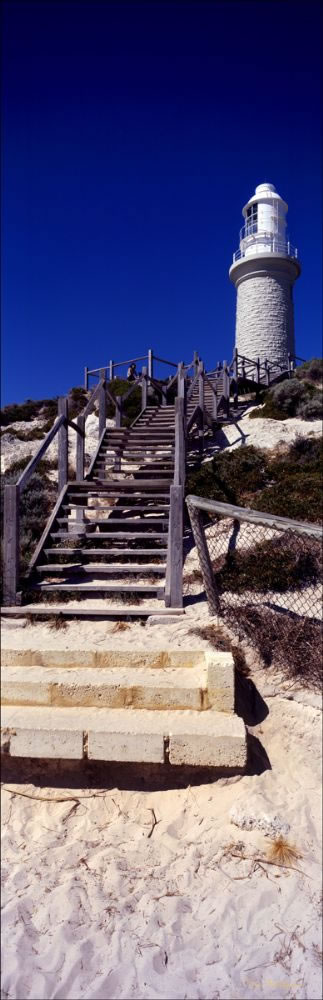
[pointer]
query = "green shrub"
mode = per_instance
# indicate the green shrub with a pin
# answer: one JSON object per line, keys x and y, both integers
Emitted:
{"x": 229, "y": 472}
{"x": 312, "y": 409}
{"x": 276, "y": 565}
{"x": 291, "y": 398}
{"x": 28, "y": 410}
{"x": 312, "y": 370}
{"x": 289, "y": 485}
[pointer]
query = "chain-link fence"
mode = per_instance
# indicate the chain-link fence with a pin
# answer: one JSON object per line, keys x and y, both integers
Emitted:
{"x": 251, "y": 558}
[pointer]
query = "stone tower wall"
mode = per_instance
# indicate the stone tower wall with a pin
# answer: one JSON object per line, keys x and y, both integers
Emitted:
{"x": 265, "y": 317}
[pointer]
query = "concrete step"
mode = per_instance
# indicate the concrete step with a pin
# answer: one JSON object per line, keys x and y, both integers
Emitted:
{"x": 205, "y": 739}
{"x": 115, "y": 687}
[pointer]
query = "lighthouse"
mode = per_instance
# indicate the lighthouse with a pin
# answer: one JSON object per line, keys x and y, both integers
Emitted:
{"x": 263, "y": 271}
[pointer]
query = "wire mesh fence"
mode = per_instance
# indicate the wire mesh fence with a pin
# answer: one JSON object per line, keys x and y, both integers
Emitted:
{"x": 251, "y": 558}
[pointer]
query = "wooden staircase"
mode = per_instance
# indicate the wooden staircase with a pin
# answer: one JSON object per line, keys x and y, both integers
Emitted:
{"x": 115, "y": 535}
{"x": 109, "y": 534}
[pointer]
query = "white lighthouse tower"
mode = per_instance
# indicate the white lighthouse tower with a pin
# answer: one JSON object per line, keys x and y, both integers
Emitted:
{"x": 263, "y": 271}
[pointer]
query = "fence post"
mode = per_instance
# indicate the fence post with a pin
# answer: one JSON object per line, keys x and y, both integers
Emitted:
{"x": 195, "y": 362}
{"x": 10, "y": 545}
{"x": 174, "y": 570}
{"x": 80, "y": 448}
{"x": 118, "y": 411}
{"x": 267, "y": 372}
{"x": 235, "y": 373}
{"x": 62, "y": 443}
{"x": 226, "y": 388}
{"x": 201, "y": 404}
{"x": 102, "y": 404}
{"x": 179, "y": 464}
{"x": 86, "y": 378}
{"x": 143, "y": 387}
{"x": 110, "y": 371}
{"x": 215, "y": 402}
{"x": 258, "y": 378}
{"x": 204, "y": 559}
{"x": 150, "y": 364}
{"x": 164, "y": 395}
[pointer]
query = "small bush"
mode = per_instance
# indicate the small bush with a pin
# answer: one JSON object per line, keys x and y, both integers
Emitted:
{"x": 276, "y": 565}
{"x": 293, "y": 645}
{"x": 28, "y": 410}
{"x": 312, "y": 370}
{"x": 224, "y": 478}
{"x": 291, "y": 398}
{"x": 312, "y": 409}
{"x": 289, "y": 485}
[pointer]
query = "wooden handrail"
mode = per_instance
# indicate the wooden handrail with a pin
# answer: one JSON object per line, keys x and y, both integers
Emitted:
{"x": 30, "y": 468}
{"x": 136, "y": 382}
{"x": 254, "y": 516}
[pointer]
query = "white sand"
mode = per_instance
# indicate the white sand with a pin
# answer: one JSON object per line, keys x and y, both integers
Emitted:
{"x": 95, "y": 907}
{"x": 266, "y": 433}
{"x": 12, "y": 450}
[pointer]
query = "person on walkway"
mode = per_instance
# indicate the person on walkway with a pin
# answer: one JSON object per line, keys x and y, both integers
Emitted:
{"x": 131, "y": 373}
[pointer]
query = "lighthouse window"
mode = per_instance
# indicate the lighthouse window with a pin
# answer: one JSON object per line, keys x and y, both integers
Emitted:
{"x": 252, "y": 220}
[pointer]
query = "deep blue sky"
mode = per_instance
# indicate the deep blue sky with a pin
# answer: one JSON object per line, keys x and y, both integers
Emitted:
{"x": 133, "y": 135}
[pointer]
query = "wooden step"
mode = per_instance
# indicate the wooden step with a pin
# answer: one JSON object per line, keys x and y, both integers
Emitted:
{"x": 115, "y": 534}
{"x": 124, "y": 496}
{"x": 140, "y": 522}
{"x": 131, "y": 507}
{"x": 124, "y": 588}
{"x": 124, "y": 553}
{"x": 52, "y": 610}
{"x": 129, "y": 484}
{"x": 93, "y": 568}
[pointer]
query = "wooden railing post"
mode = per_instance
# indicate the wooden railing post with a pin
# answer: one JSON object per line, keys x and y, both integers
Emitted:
{"x": 179, "y": 469}
{"x": 102, "y": 404}
{"x": 164, "y": 395}
{"x": 235, "y": 374}
{"x": 174, "y": 570}
{"x": 196, "y": 520}
{"x": 195, "y": 362}
{"x": 143, "y": 387}
{"x": 118, "y": 412}
{"x": 62, "y": 443}
{"x": 110, "y": 371}
{"x": 226, "y": 388}
{"x": 179, "y": 378}
{"x": 267, "y": 372}
{"x": 257, "y": 378}
{"x": 86, "y": 378}
{"x": 80, "y": 448}
{"x": 201, "y": 404}
{"x": 150, "y": 363}
{"x": 10, "y": 545}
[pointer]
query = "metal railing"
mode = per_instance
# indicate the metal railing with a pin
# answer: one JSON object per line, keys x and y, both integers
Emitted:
{"x": 247, "y": 557}
{"x": 260, "y": 241}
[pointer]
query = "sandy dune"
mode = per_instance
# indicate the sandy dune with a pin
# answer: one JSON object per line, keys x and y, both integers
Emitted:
{"x": 99, "y": 902}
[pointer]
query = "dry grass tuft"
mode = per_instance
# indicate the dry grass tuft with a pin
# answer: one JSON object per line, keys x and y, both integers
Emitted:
{"x": 57, "y": 622}
{"x": 120, "y": 627}
{"x": 281, "y": 852}
{"x": 293, "y": 645}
